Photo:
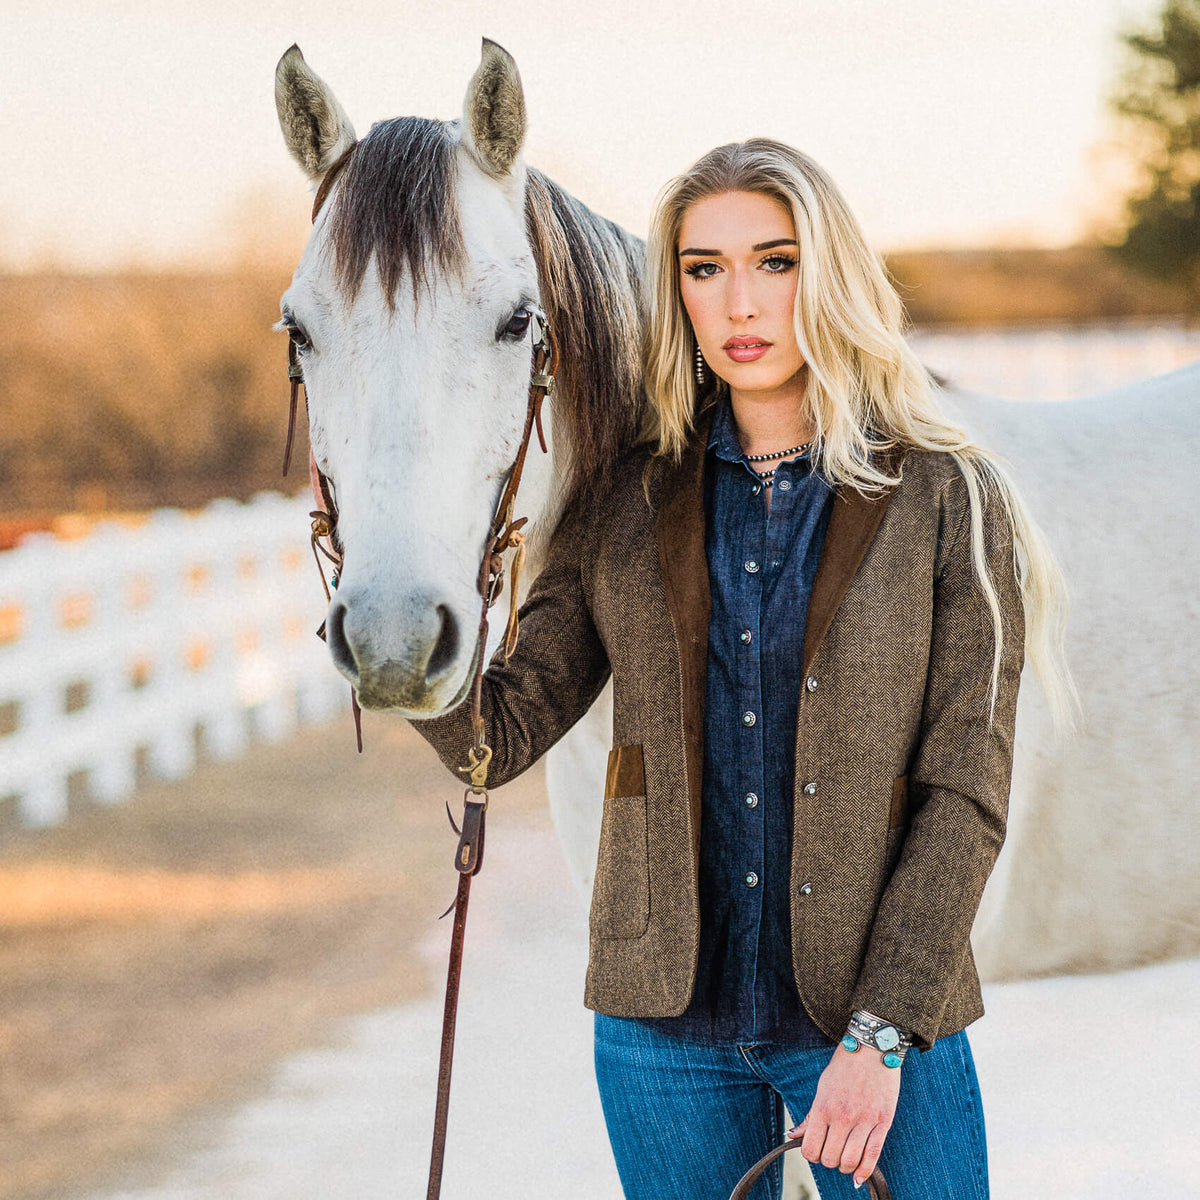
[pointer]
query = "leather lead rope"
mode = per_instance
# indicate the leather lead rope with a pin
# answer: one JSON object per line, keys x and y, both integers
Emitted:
{"x": 877, "y": 1186}
{"x": 505, "y": 534}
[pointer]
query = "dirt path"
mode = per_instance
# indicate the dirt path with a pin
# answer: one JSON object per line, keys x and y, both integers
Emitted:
{"x": 172, "y": 971}
{"x": 159, "y": 957}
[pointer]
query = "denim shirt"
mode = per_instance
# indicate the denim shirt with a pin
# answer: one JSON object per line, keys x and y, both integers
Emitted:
{"x": 761, "y": 567}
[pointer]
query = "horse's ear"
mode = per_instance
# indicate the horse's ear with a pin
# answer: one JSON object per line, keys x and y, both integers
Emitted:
{"x": 314, "y": 126}
{"x": 494, "y": 111}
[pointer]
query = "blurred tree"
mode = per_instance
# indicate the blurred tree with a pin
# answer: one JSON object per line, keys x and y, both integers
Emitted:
{"x": 1158, "y": 96}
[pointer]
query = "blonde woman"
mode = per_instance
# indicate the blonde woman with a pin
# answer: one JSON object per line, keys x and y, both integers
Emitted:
{"x": 814, "y": 597}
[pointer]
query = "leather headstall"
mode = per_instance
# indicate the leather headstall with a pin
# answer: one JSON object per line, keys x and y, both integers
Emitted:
{"x": 504, "y": 533}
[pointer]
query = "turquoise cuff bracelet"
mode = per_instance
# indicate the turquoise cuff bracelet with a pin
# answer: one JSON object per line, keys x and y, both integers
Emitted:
{"x": 866, "y": 1029}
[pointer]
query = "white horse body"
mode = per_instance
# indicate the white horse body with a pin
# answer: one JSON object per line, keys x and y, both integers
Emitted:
{"x": 1098, "y": 871}
{"x": 415, "y": 415}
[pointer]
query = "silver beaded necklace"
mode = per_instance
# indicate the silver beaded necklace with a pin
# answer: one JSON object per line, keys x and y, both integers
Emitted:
{"x": 778, "y": 453}
{"x": 768, "y": 477}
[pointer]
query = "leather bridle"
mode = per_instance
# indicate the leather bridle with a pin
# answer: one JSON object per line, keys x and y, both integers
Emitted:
{"x": 504, "y": 533}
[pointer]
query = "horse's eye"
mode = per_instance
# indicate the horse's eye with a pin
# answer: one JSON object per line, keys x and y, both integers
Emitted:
{"x": 518, "y": 324}
{"x": 299, "y": 337}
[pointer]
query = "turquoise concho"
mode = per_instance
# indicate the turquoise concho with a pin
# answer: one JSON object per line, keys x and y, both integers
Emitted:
{"x": 850, "y": 1042}
{"x": 891, "y": 1059}
{"x": 887, "y": 1038}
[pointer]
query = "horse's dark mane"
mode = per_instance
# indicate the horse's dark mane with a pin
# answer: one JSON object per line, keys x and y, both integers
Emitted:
{"x": 397, "y": 200}
{"x": 590, "y": 273}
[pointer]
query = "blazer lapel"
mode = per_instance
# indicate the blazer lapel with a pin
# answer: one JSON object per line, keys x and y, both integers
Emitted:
{"x": 680, "y": 529}
{"x": 852, "y": 527}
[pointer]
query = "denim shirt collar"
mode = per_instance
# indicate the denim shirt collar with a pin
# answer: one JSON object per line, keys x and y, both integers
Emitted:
{"x": 723, "y": 438}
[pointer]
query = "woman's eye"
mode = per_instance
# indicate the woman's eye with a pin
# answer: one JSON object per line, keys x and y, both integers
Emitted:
{"x": 782, "y": 263}
{"x": 518, "y": 324}
{"x": 776, "y": 264}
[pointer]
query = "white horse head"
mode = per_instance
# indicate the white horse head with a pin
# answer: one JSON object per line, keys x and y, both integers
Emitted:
{"x": 410, "y": 309}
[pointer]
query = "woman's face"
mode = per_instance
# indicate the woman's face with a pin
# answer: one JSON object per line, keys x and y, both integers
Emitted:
{"x": 737, "y": 262}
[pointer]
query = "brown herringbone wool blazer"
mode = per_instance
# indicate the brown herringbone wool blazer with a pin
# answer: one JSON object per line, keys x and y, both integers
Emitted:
{"x": 892, "y": 847}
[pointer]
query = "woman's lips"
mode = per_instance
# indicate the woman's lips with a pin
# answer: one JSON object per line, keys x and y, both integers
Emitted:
{"x": 747, "y": 353}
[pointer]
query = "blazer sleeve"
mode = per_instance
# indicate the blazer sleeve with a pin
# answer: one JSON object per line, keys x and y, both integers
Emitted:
{"x": 959, "y": 779}
{"x": 554, "y": 675}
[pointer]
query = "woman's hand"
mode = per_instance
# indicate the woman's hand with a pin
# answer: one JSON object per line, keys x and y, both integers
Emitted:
{"x": 851, "y": 1113}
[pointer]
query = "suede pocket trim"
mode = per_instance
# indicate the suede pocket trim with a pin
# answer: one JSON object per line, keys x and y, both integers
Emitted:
{"x": 626, "y": 774}
{"x": 899, "y": 813}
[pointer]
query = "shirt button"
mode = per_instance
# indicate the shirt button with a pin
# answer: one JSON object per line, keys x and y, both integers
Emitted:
{"x": 784, "y": 485}
{"x": 756, "y": 489}
{"x": 811, "y": 683}
{"x": 748, "y": 719}
{"x": 806, "y": 889}
{"x": 752, "y": 566}
{"x": 751, "y": 879}
{"x": 751, "y": 800}
{"x": 746, "y": 637}
{"x": 810, "y": 789}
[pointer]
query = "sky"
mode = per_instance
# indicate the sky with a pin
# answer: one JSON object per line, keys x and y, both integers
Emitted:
{"x": 144, "y": 134}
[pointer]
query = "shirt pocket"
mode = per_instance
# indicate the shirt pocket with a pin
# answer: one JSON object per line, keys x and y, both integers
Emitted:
{"x": 621, "y": 892}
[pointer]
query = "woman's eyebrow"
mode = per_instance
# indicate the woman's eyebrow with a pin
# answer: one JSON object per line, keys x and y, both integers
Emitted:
{"x": 760, "y": 246}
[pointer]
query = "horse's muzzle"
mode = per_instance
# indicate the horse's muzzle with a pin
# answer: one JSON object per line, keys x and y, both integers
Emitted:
{"x": 421, "y": 673}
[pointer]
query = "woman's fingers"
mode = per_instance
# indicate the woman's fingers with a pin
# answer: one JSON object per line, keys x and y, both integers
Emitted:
{"x": 835, "y": 1143}
{"x": 871, "y": 1153}
{"x": 856, "y": 1143}
{"x": 814, "y": 1138}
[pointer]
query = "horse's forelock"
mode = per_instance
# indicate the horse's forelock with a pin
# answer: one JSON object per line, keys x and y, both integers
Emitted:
{"x": 397, "y": 199}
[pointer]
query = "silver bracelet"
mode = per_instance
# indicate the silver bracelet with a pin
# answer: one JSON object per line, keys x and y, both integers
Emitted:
{"x": 866, "y": 1029}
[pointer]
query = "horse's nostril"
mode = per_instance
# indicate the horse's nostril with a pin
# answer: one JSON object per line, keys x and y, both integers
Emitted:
{"x": 445, "y": 649}
{"x": 335, "y": 639}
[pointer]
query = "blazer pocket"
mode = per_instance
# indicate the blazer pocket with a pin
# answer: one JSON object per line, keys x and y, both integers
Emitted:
{"x": 621, "y": 892}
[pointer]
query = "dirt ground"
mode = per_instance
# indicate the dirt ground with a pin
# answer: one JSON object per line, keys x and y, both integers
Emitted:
{"x": 157, "y": 958}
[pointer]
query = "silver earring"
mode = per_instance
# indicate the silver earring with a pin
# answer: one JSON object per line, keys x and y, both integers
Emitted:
{"x": 699, "y": 365}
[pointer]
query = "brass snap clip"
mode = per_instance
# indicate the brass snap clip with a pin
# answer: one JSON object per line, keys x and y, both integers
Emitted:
{"x": 478, "y": 770}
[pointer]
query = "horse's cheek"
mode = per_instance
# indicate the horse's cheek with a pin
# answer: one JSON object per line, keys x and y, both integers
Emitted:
{"x": 314, "y": 478}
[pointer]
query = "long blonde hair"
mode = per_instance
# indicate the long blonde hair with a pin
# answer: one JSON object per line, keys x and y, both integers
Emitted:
{"x": 866, "y": 389}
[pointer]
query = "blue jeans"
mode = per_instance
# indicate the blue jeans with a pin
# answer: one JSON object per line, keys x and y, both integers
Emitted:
{"x": 687, "y": 1120}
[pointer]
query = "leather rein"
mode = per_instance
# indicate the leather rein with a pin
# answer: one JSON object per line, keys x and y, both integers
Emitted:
{"x": 505, "y": 533}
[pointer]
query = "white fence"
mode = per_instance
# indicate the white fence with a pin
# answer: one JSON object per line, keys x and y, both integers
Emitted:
{"x": 139, "y": 645}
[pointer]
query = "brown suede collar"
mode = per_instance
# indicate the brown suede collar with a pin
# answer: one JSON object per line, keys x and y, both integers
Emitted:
{"x": 680, "y": 528}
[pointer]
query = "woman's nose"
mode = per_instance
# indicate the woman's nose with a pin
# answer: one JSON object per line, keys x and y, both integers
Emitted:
{"x": 741, "y": 298}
